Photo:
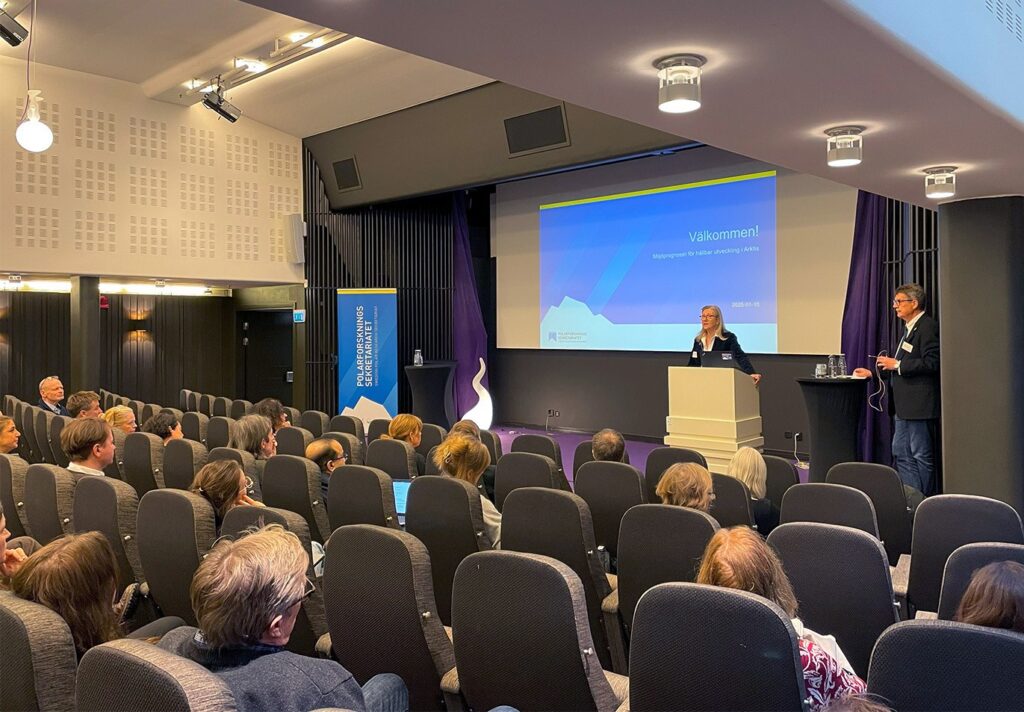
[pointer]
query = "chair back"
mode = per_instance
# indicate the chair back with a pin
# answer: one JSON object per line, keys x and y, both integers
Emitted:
{"x": 194, "y": 425}
{"x": 431, "y": 467}
{"x": 348, "y": 424}
{"x": 842, "y": 583}
{"x": 218, "y": 431}
{"x": 183, "y": 400}
{"x": 742, "y": 640}
{"x": 521, "y": 635}
{"x": 37, "y": 667}
{"x": 57, "y": 423}
{"x": 780, "y": 476}
{"x": 942, "y": 665}
{"x": 144, "y": 462}
{"x": 558, "y": 524}
{"x": 49, "y": 499}
{"x": 221, "y": 407}
{"x": 294, "y": 414}
{"x": 885, "y": 490}
{"x": 354, "y": 447}
{"x": 731, "y": 505}
{"x": 127, "y": 675}
{"x": 315, "y": 421}
{"x": 961, "y": 565}
{"x": 942, "y": 525}
{"x": 493, "y": 443}
{"x": 659, "y": 543}
{"x": 376, "y": 428}
{"x": 660, "y": 459}
{"x": 182, "y": 460}
{"x": 13, "y": 471}
{"x": 293, "y": 483}
{"x": 111, "y": 507}
{"x": 28, "y": 432}
{"x": 361, "y": 495}
{"x": 539, "y": 445}
{"x": 381, "y": 611}
{"x": 175, "y": 530}
{"x": 431, "y": 437}
{"x": 116, "y": 468}
{"x": 206, "y": 404}
{"x": 239, "y": 407}
{"x": 41, "y": 425}
{"x": 136, "y": 407}
{"x": 827, "y": 503}
{"x": 609, "y": 489}
{"x": 293, "y": 441}
{"x": 584, "y": 453}
{"x": 22, "y": 415}
{"x": 446, "y": 515}
{"x": 148, "y": 411}
{"x": 395, "y": 457}
{"x": 523, "y": 469}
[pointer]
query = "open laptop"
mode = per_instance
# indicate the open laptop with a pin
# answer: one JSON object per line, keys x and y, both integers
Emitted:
{"x": 401, "y": 497}
{"x": 718, "y": 359}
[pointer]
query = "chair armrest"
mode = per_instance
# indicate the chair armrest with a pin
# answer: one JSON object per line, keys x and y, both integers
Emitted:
{"x": 450, "y": 682}
{"x": 613, "y": 581}
{"x": 926, "y": 615}
{"x": 901, "y": 576}
{"x": 611, "y": 602}
{"x": 323, "y": 646}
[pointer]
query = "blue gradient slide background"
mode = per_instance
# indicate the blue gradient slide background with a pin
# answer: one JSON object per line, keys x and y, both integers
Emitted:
{"x": 631, "y": 271}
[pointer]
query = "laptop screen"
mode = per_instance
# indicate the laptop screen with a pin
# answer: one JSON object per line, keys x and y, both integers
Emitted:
{"x": 401, "y": 495}
{"x": 717, "y": 359}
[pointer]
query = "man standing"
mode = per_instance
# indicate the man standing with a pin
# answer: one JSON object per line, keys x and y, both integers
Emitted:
{"x": 913, "y": 372}
{"x": 51, "y": 393}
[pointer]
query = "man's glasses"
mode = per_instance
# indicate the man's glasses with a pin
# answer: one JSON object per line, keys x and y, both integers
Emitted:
{"x": 897, "y": 302}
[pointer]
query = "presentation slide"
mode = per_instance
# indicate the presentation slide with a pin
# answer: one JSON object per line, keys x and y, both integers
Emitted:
{"x": 631, "y": 271}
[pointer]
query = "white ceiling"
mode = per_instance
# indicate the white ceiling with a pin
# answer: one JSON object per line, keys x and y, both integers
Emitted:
{"x": 778, "y": 74}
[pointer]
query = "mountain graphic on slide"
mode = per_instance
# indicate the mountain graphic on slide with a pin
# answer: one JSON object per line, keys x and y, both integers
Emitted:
{"x": 579, "y": 313}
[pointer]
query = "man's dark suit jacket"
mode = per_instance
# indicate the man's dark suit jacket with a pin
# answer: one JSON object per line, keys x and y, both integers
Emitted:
{"x": 915, "y": 388}
{"x": 61, "y": 410}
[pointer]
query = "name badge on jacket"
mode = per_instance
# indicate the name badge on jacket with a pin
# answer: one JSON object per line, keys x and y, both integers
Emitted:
{"x": 694, "y": 354}
{"x": 909, "y": 348}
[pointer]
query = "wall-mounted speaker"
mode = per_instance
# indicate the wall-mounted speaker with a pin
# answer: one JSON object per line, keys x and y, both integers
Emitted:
{"x": 346, "y": 173}
{"x": 537, "y": 131}
{"x": 294, "y": 238}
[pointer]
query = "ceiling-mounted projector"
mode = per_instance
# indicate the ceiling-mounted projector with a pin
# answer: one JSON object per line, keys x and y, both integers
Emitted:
{"x": 11, "y": 30}
{"x": 215, "y": 101}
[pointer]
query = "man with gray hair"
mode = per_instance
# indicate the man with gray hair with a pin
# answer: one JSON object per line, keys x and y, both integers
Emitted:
{"x": 51, "y": 393}
{"x": 607, "y": 445}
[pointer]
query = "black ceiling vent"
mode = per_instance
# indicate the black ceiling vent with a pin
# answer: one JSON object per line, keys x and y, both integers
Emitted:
{"x": 346, "y": 173}
{"x": 537, "y": 131}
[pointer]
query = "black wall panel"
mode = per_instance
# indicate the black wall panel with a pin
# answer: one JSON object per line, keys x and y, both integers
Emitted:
{"x": 35, "y": 339}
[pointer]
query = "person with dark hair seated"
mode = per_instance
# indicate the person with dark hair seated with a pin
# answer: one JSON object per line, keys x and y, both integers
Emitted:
{"x": 89, "y": 445}
{"x": 165, "y": 426}
{"x": 246, "y": 596}
{"x": 328, "y": 454}
{"x": 84, "y": 404}
{"x": 272, "y": 410}
{"x": 608, "y": 446}
{"x": 9, "y": 435}
{"x": 995, "y": 597}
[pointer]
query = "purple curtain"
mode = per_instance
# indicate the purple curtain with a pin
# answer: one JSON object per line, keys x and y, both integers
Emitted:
{"x": 864, "y": 324}
{"x": 468, "y": 333}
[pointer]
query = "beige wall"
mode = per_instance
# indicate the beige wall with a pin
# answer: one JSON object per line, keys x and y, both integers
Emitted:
{"x": 139, "y": 188}
{"x": 814, "y": 235}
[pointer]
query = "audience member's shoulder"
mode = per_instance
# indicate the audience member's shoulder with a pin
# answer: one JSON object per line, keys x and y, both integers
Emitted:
{"x": 327, "y": 675}
{"x": 179, "y": 640}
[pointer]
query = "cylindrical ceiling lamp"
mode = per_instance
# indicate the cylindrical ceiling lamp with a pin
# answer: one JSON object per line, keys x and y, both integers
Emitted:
{"x": 679, "y": 82}
{"x": 940, "y": 182}
{"x": 844, "y": 146}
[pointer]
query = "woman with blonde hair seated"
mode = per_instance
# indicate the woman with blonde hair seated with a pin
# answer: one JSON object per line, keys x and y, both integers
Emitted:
{"x": 122, "y": 418}
{"x": 686, "y": 484}
{"x": 739, "y": 558}
{"x": 408, "y": 428}
{"x": 224, "y": 485}
{"x": 748, "y": 466}
{"x": 466, "y": 459}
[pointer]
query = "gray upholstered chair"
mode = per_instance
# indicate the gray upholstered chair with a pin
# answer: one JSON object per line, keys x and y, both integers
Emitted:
{"x": 609, "y": 489}
{"x": 523, "y": 469}
{"x": 41, "y": 423}
{"x": 136, "y": 407}
{"x": 583, "y": 454}
{"x": 842, "y": 584}
{"x": 111, "y": 507}
{"x": 206, "y": 404}
{"x": 294, "y": 414}
{"x": 538, "y": 444}
{"x": 49, "y": 498}
{"x": 57, "y": 423}
{"x": 175, "y": 530}
{"x": 239, "y": 407}
{"x": 37, "y": 667}
{"x": 127, "y": 675}
{"x": 431, "y": 437}
{"x": 493, "y": 443}
{"x": 381, "y": 612}
{"x": 28, "y": 433}
{"x": 658, "y": 543}
{"x": 942, "y": 665}
{"x": 148, "y": 411}
{"x": 193, "y": 401}
{"x": 558, "y": 524}
{"x": 183, "y": 458}
{"x": 13, "y": 470}
{"x": 252, "y": 467}
{"x": 731, "y": 505}
{"x": 116, "y": 468}
{"x": 348, "y": 424}
{"x": 827, "y": 503}
{"x": 218, "y": 432}
{"x": 293, "y": 483}
{"x": 144, "y": 462}
{"x": 193, "y": 426}
{"x": 446, "y": 515}
{"x": 376, "y": 428}
{"x": 221, "y": 407}
{"x": 741, "y": 657}
{"x": 961, "y": 565}
{"x": 521, "y": 636}
{"x": 315, "y": 421}
{"x": 355, "y": 449}
{"x": 293, "y": 441}
{"x": 395, "y": 457}
{"x": 22, "y": 415}
{"x": 885, "y": 490}
{"x": 780, "y": 475}
{"x": 361, "y": 495}
{"x": 183, "y": 400}
{"x": 660, "y": 459}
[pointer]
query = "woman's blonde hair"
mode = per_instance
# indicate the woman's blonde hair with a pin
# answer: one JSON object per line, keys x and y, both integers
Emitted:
{"x": 462, "y": 457}
{"x": 748, "y": 466}
{"x": 686, "y": 484}
{"x": 76, "y": 578}
{"x": 219, "y": 483}
{"x": 721, "y": 320}
{"x": 403, "y": 426}
{"x": 119, "y": 416}
{"x": 242, "y": 585}
{"x": 738, "y": 558}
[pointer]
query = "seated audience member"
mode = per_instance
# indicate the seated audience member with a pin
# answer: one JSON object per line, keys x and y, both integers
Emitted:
{"x": 121, "y": 417}
{"x": 608, "y": 446}
{"x": 165, "y": 426}
{"x": 76, "y": 578}
{"x": 466, "y": 459}
{"x": 13, "y": 552}
{"x": 686, "y": 484}
{"x": 272, "y": 410}
{"x": 246, "y": 596}
{"x": 255, "y": 435}
{"x": 739, "y": 558}
{"x": 408, "y": 428}
{"x": 472, "y": 430}
{"x": 8, "y": 435}
{"x": 51, "y": 393}
{"x": 84, "y": 404}
{"x": 225, "y": 486}
{"x": 89, "y": 445}
{"x": 328, "y": 454}
{"x": 995, "y": 597}
{"x": 857, "y": 703}
{"x": 748, "y": 466}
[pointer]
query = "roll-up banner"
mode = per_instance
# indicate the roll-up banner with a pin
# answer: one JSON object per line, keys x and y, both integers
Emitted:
{"x": 368, "y": 353}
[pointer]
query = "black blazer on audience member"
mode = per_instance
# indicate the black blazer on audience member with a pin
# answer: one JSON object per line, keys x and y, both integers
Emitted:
{"x": 726, "y": 342}
{"x": 915, "y": 388}
{"x": 61, "y": 410}
{"x": 766, "y": 515}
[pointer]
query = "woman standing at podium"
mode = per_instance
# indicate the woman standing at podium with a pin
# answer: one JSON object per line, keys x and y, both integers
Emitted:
{"x": 713, "y": 336}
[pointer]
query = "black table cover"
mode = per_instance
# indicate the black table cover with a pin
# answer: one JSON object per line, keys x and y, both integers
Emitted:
{"x": 433, "y": 397}
{"x": 834, "y": 407}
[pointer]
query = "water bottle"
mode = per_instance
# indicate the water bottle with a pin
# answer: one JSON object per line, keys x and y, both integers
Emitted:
{"x": 417, "y": 358}
{"x": 831, "y": 366}
{"x": 841, "y": 366}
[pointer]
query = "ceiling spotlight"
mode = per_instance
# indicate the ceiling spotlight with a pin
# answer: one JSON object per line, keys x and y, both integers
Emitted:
{"x": 32, "y": 134}
{"x": 940, "y": 182}
{"x": 679, "y": 82}
{"x": 312, "y": 44}
{"x": 251, "y": 65}
{"x": 10, "y": 29}
{"x": 844, "y": 146}
{"x": 215, "y": 101}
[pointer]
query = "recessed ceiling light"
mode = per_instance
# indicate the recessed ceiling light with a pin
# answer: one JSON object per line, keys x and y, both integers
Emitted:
{"x": 940, "y": 182}
{"x": 844, "y": 146}
{"x": 679, "y": 77}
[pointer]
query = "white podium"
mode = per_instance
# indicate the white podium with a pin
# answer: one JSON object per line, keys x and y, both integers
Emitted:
{"x": 714, "y": 411}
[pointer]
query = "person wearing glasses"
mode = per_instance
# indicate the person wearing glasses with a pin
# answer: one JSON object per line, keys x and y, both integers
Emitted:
{"x": 913, "y": 374}
{"x": 328, "y": 455}
{"x": 713, "y": 336}
{"x": 224, "y": 485}
{"x": 246, "y": 595}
